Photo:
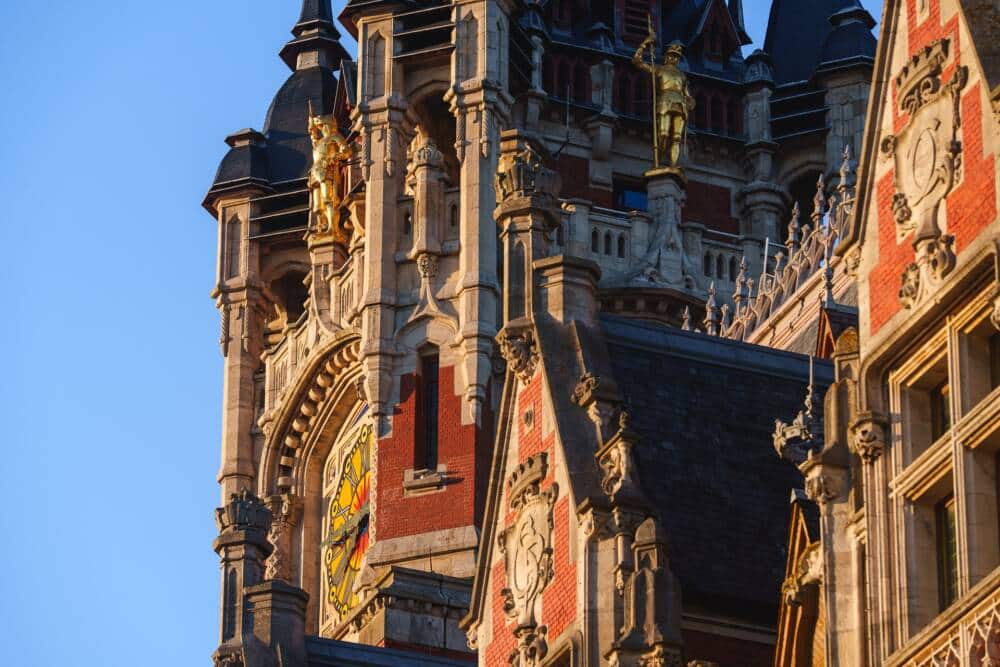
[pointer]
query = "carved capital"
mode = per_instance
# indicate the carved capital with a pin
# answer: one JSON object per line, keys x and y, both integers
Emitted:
{"x": 244, "y": 511}
{"x": 868, "y": 436}
{"x": 519, "y": 349}
{"x": 822, "y": 488}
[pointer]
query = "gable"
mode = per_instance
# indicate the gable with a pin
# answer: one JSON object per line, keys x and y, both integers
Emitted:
{"x": 928, "y": 158}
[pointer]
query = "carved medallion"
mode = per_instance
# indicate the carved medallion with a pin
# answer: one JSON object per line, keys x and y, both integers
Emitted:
{"x": 526, "y": 545}
{"x": 927, "y": 152}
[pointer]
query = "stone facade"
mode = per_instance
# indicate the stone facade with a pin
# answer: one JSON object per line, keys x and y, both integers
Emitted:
{"x": 906, "y": 568}
{"x": 462, "y": 419}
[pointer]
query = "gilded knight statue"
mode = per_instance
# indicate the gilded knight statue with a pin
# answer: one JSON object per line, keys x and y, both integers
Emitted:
{"x": 672, "y": 102}
{"x": 330, "y": 152}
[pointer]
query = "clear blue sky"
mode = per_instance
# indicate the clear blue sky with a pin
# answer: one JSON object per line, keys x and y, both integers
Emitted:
{"x": 111, "y": 127}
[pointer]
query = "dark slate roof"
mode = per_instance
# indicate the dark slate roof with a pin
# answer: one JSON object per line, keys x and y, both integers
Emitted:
{"x": 332, "y": 653}
{"x": 804, "y": 34}
{"x": 704, "y": 408}
{"x": 983, "y": 19}
{"x": 289, "y": 148}
{"x": 244, "y": 164}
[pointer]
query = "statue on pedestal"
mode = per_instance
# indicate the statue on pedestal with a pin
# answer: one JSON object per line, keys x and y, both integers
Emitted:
{"x": 672, "y": 102}
{"x": 330, "y": 152}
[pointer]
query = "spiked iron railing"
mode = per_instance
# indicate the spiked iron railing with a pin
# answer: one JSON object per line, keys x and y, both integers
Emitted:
{"x": 808, "y": 249}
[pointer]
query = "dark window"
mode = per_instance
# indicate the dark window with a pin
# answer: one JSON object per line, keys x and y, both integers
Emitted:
{"x": 718, "y": 122}
{"x": 428, "y": 418}
{"x": 732, "y": 269}
{"x": 407, "y": 224}
{"x": 607, "y": 243}
{"x": 629, "y": 196}
{"x": 564, "y": 86}
{"x": 623, "y": 92}
{"x": 560, "y": 236}
{"x": 707, "y": 265}
{"x": 594, "y": 241}
{"x": 947, "y": 553}
{"x": 994, "y": 361}
{"x": 621, "y": 246}
{"x": 734, "y": 117}
{"x": 720, "y": 272}
{"x": 581, "y": 82}
{"x": 454, "y": 216}
{"x": 940, "y": 410}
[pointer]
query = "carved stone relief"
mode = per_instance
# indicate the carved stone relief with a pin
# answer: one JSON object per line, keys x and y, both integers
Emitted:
{"x": 526, "y": 545}
{"x": 868, "y": 436}
{"x": 927, "y": 161}
{"x": 519, "y": 349}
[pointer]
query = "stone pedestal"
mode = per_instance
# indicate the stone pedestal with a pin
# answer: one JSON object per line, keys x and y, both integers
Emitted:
{"x": 663, "y": 261}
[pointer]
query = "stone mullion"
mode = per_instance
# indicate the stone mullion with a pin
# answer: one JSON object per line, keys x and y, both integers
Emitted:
{"x": 877, "y": 571}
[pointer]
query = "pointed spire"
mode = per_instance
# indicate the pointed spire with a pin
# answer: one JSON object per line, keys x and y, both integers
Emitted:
{"x": 686, "y": 323}
{"x": 827, "y": 270}
{"x": 711, "y": 312}
{"x": 819, "y": 201}
{"x": 316, "y": 41}
{"x": 736, "y": 11}
{"x": 794, "y": 227}
{"x": 726, "y": 320}
{"x": 740, "y": 293}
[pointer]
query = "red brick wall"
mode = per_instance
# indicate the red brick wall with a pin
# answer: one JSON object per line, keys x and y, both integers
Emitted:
{"x": 464, "y": 449}
{"x": 559, "y": 597}
{"x": 710, "y": 205}
{"x": 971, "y": 205}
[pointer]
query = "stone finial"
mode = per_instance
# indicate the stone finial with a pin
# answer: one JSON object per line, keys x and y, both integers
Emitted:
{"x": 819, "y": 202}
{"x": 846, "y": 171}
{"x": 686, "y": 322}
{"x": 711, "y": 312}
{"x": 794, "y": 227}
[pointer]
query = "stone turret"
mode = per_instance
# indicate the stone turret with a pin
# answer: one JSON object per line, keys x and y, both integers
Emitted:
{"x": 262, "y": 622}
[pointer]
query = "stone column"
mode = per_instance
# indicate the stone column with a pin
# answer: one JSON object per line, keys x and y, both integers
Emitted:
{"x": 480, "y": 102}
{"x": 380, "y": 121}
{"x": 664, "y": 257}
{"x": 240, "y": 299}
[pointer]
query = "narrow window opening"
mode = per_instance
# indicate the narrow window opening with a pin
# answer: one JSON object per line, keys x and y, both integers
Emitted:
{"x": 947, "y": 553}
{"x": 427, "y": 454}
{"x": 607, "y": 243}
{"x": 732, "y": 269}
{"x": 994, "y": 361}
{"x": 719, "y": 268}
{"x": 453, "y": 217}
{"x": 621, "y": 246}
{"x": 594, "y": 241}
{"x": 940, "y": 410}
{"x": 707, "y": 265}
{"x": 407, "y": 224}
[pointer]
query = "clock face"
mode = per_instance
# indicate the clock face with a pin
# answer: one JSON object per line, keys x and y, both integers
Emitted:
{"x": 347, "y": 519}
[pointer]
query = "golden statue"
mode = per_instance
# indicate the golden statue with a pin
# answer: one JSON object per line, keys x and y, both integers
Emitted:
{"x": 330, "y": 152}
{"x": 672, "y": 102}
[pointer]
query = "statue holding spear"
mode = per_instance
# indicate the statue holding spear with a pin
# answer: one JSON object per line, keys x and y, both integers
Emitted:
{"x": 672, "y": 102}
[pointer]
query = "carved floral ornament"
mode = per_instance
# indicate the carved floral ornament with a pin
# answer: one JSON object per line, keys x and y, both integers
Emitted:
{"x": 526, "y": 545}
{"x": 927, "y": 161}
{"x": 521, "y": 172}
